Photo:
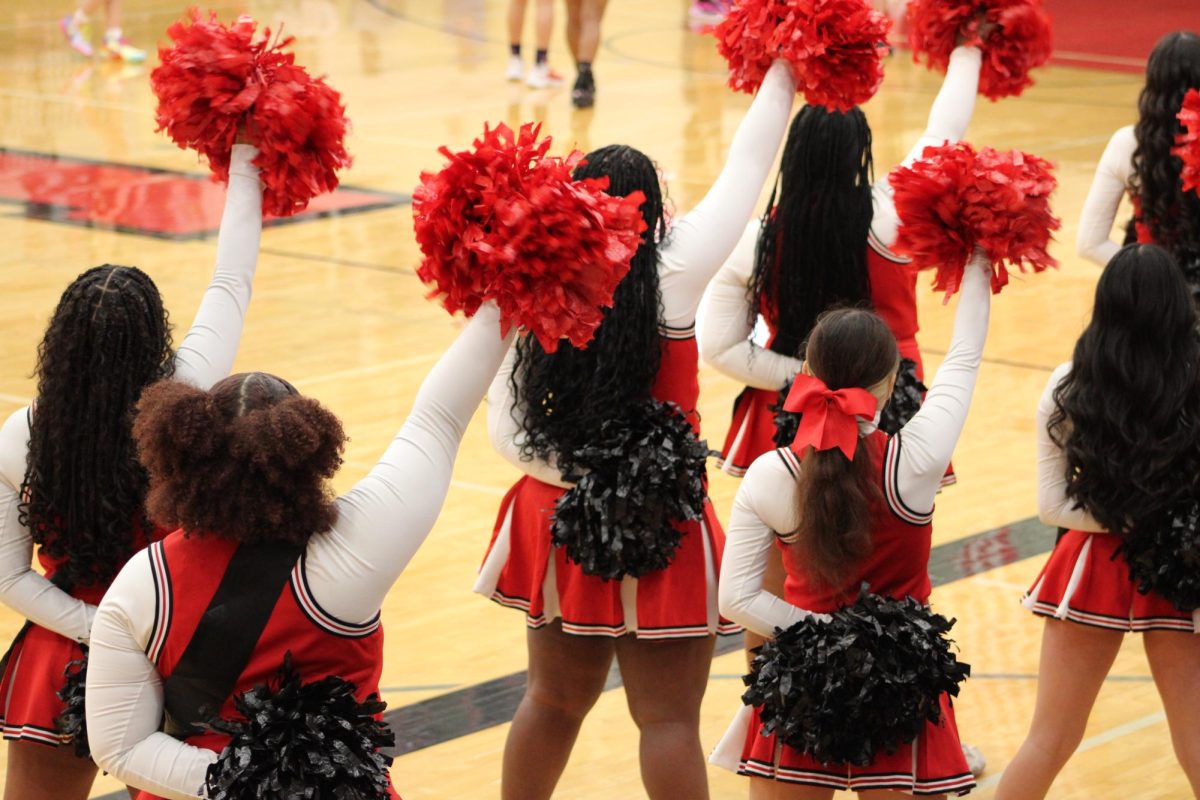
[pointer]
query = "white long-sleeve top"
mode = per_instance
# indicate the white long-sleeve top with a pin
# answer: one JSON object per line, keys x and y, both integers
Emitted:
{"x": 766, "y": 501}
{"x": 1113, "y": 177}
{"x": 726, "y": 321}
{"x": 1054, "y": 507}
{"x": 694, "y": 250}
{"x": 203, "y": 358}
{"x": 381, "y": 523}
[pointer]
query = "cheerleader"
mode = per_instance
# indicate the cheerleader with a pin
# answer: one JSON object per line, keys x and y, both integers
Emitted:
{"x": 660, "y": 627}
{"x": 69, "y": 478}
{"x": 1138, "y": 162}
{"x": 244, "y": 469}
{"x": 1126, "y": 405}
{"x": 845, "y": 518}
{"x": 805, "y": 257}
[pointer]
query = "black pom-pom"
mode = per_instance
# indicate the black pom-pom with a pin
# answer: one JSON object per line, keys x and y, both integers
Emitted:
{"x": 642, "y": 475}
{"x": 1164, "y": 556}
{"x": 902, "y": 406}
{"x": 864, "y": 682}
{"x": 906, "y": 399}
{"x": 72, "y": 722}
{"x": 302, "y": 740}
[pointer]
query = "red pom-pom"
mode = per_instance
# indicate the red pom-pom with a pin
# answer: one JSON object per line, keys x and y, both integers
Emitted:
{"x": 956, "y": 199}
{"x": 216, "y": 78}
{"x": 1187, "y": 144}
{"x": 505, "y": 222}
{"x": 1018, "y": 38}
{"x": 836, "y": 47}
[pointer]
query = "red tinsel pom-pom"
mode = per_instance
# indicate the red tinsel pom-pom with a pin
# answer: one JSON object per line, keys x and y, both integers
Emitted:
{"x": 507, "y": 223}
{"x": 1019, "y": 38}
{"x": 956, "y": 199}
{"x": 216, "y": 78}
{"x": 836, "y": 47}
{"x": 1187, "y": 144}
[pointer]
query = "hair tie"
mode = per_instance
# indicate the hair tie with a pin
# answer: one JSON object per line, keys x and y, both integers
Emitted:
{"x": 828, "y": 419}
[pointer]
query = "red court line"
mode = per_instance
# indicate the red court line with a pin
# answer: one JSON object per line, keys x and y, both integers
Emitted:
{"x": 142, "y": 200}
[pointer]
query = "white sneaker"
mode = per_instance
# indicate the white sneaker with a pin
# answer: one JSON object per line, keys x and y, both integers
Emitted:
{"x": 516, "y": 70}
{"x": 542, "y": 77}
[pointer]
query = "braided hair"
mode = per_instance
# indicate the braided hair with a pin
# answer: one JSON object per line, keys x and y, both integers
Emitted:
{"x": 83, "y": 490}
{"x": 811, "y": 252}
{"x": 564, "y": 396}
{"x": 1172, "y": 215}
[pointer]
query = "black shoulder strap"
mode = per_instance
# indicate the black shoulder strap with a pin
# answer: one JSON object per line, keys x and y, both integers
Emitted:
{"x": 227, "y": 634}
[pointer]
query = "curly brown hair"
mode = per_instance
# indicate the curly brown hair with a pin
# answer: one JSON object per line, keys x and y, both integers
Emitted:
{"x": 249, "y": 460}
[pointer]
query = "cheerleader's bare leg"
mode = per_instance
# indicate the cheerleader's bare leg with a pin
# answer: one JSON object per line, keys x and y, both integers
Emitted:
{"x": 574, "y": 25}
{"x": 664, "y": 684}
{"x": 1175, "y": 664}
{"x": 1074, "y": 663}
{"x": 40, "y": 772}
{"x": 566, "y": 676}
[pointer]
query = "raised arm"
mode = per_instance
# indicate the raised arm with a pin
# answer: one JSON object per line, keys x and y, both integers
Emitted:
{"x": 765, "y": 503}
{"x": 1113, "y": 174}
{"x": 21, "y": 588}
{"x": 506, "y": 434}
{"x": 948, "y": 120}
{"x": 1054, "y": 507}
{"x": 701, "y": 241}
{"x": 926, "y": 443}
{"x": 206, "y": 354}
{"x": 125, "y": 695}
{"x": 725, "y": 326}
{"x": 385, "y": 518}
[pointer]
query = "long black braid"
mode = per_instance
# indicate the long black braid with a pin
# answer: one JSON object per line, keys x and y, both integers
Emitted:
{"x": 84, "y": 490}
{"x": 564, "y": 396}
{"x": 1172, "y": 215}
{"x": 811, "y": 253}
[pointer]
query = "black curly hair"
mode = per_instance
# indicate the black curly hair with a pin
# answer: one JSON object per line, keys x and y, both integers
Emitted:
{"x": 1128, "y": 415}
{"x": 564, "y": 396}
{"x": 84, "y": 489}
{"x": 811, "y": 253}
{"x": 1172, "y": 215}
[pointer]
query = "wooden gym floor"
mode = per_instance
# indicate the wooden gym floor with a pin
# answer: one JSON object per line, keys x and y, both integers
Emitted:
{"x": 337, "y": 310}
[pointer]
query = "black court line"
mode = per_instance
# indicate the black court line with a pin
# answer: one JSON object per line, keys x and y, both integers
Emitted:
{"x": 485, "y": 705}
{"x": 341, "y": 262}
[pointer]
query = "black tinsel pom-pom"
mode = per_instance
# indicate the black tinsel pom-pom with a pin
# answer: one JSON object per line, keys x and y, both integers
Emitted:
{"x": 906, "y": 399}
{"x": 72, "y": 722}
{"x": 1164, "y": 556}
{"x": 642, "y": 474}
{"x": 302, "y": 740}
{"x": 902, "y": 406}
{"x": 864, "y": 682}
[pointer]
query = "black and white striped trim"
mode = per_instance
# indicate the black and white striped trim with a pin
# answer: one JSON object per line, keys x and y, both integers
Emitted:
{"x": 891, "y": 485}
{"x": 162, "y": 602}
{"x": 900, "y": 781}
{"x": 883, "y": 250}
{"x": 1123, "y": 624}
{"x": 319, "y": 616}
{"x": 32, "y": 733}
{"x": 667, "y": 332}
{"x": 791, "y": 462}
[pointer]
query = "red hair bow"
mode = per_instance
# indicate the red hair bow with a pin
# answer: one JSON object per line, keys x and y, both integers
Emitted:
{"x": 828, "y": 419}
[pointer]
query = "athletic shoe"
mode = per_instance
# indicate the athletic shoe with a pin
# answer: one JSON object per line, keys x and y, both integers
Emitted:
{"x": 119, "y": 48}
{"x": 542, "y": 77}
{"x": 583, "y": 94}
{"x": 516, "y": 70}
{"x": 708, "y": 12}
{"x": 976, "y": 763}
{"x": 78, "y": 35}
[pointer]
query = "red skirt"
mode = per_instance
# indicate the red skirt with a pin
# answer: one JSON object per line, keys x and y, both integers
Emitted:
{"x": 933, "y": 764}
{"x": 523, "y": 570}
{"x": 1085, "y": 581}
{"x": 29, "y": 688}
{"x": 752, "y": 431}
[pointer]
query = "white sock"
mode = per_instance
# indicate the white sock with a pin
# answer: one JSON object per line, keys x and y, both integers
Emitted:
{"x": 112, "y": 35}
